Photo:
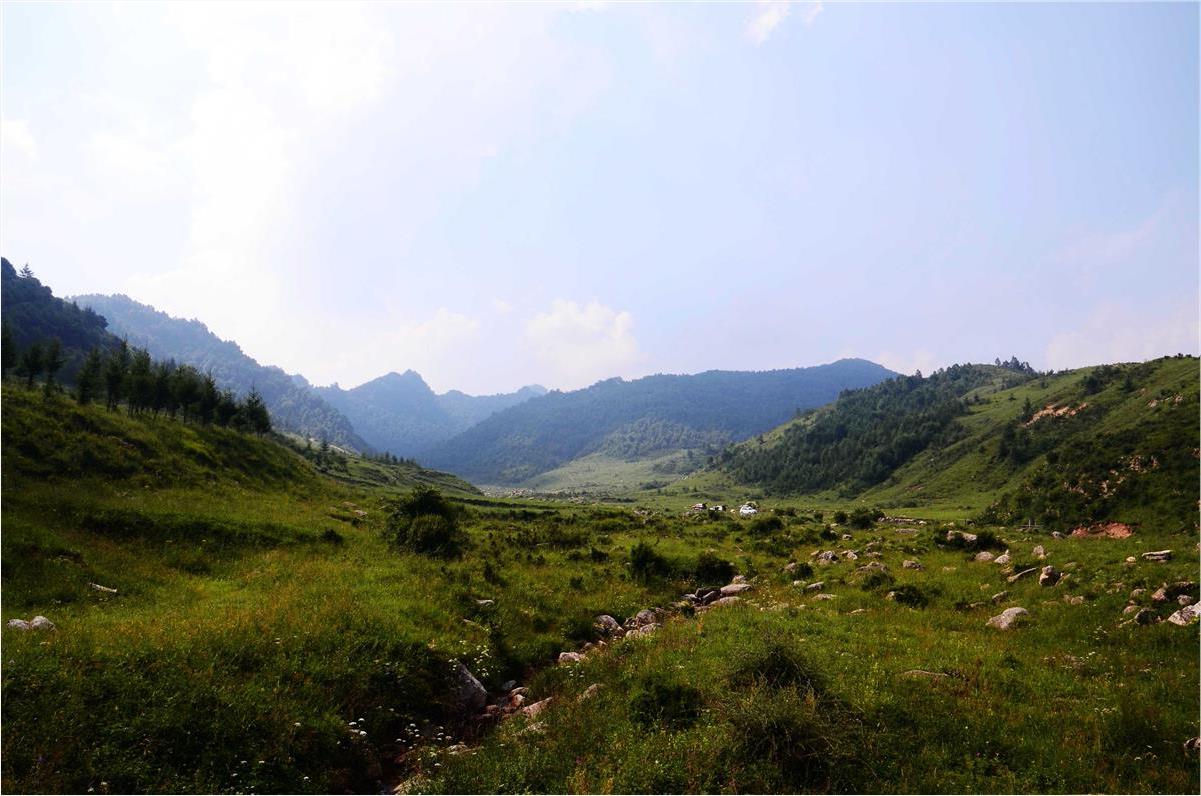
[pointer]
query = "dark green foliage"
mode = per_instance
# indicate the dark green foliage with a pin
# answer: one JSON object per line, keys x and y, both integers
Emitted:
{"x": 711, "y": 568}
{"x": 864, "y": 518}
{"x": 426, "y": 522}
{"x": 910, "y": 595}
{"x": 765, "y": 525}
{"x": 8, "y": 347}
{"x": 877, "y": 581}
{"x": 31, "y": 364}
{"x": 778, "y": 666}
{"x": 646, "y": 563}
{"x": 636, "y": 416}
{"x": 788, "y": 742}
{"x": 840, "y": 517}
{"x": 331, "y": 536}
{"x": 88, "y": 381}
{"x": 656, "y": 702}
{"x": 868, "y": 433}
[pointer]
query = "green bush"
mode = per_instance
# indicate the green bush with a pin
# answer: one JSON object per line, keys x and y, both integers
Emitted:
{"x": 865, "y": 518}
{"x": 876, "y": 581}
{"x": 910, "y": 595}
{"x": 646, "y": 563}
{"x": 711, "y": 568}
{"x": 425, "y": 522}
{"x": 778, "y": 667}
{"x": 656, "y": 702}
{"x": 840, "y": 517}
{"x": 762, "y": 526}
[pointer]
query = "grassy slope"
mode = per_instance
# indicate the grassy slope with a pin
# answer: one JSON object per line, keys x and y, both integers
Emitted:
{"x": 240, "y": 643}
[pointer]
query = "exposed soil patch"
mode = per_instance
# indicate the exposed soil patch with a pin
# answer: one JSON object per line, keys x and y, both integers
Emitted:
{"x": 1051, "y": 410}
{"x": 1103, "y": 530}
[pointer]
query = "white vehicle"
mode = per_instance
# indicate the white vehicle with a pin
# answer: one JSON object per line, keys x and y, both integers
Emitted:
{"x": 747, "y": 511}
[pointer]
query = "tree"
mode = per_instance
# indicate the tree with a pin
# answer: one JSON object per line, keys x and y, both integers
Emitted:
{"x": 141, "y": 382}
{"x": 114, "y": 375}
{"x": 208, "y": 398}
{"x": 8, "y": 348}
{"x": 257, "y": 416}
{"x": 26, "y": 272}
{"x": 31, "y": 364}
{"x": 53, "y": 363}
{"x": 88, "y": 381}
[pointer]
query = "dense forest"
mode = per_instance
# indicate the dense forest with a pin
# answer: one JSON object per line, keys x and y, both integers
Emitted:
{"x": 399, "y": 413}
{"x": 291, "y": 402}
{"x": 868, "y": 433}
{"x": 544, "y": 433}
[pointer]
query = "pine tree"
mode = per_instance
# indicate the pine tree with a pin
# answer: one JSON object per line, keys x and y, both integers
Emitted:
{"x": 26, "y": 272}
{"x": 31, "y": 364}
{"x": 53, "y": 363}
{"x": 87, "y": 382}
{"x": 8, "y": 348}
{"x": 256, "y": 413}
{"x": 115, "y": 371}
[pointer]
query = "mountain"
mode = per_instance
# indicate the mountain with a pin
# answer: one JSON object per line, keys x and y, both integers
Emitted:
{"x": 293, "y": 405}
{"x": 1107, "y": 443}
{"x": 640, "y": 418}
{"x": 32, "y": 314}
{"x": 399, "y": 413}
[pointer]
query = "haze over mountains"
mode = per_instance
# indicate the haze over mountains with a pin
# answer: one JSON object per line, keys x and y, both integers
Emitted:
{"x": 507, "y": 438}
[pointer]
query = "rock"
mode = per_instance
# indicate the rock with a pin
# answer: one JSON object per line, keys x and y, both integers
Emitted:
{"x": 1158, "y": 555}
{"x": 911, "y": 564}
{"x": 1129, "y": 609}
{"x": 1187, "y": 615}
{"x": 846, "y": 537}
{"x": 1146, "y": 616}
{"x": 825, "y": 597}
{"x": 984, "y": 556}
{"x": 1007, "y": 618}
{"x": 726, "y": 601}
{"x": 892, "y": 595}
{"x": 1134, "y": 595}
{"x": 827, "y": 557}
{"x": 607, "y": 625}
{"x": 643, "y": 630}
{"x": 734, "y": 588}
{"x": 1039, "y": 552}
{"x": 41, "y": 623}
{"x": 645, "y": 617}
{"x": 968, "y": 538}
{"x": 858, "y": 611}
{"x": 1049, "y": 576}
{"x": 570, "y": 657}
{"x": 739, "y": 579}
{"x": 791, "y": 567}
{"x": 508, "y": 685}
{"x": 1000, "y": 597}
{"x": 1076, "y": 600}
{"x": 1192, "y": 746}
{"x": 1185, "y": 599}
{"x": 590, "y": 691}
{"x": 105, "y": 589}
{"x": 468, "y": 693}
{"x": 1160, "y": 596}
{"x": 1004, "y": 559}
{"x": 1131, "y": 559}
{"x": 534, "y": 709}
{"x": 874, "y": 566}
{"x": 851, "y": 555}
{"x": 17, "y": 624}
{"x": 1181, "y": 587}
{"x": 1056, "y": 535}
{"x": 1017, "y": 576}
{"x": 818, "y": 586}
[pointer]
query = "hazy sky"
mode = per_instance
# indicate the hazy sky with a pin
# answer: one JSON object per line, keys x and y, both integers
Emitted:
{"x": 501, "y": 194}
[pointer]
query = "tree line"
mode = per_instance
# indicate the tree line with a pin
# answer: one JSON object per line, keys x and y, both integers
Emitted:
{"x": 130, "y": 376}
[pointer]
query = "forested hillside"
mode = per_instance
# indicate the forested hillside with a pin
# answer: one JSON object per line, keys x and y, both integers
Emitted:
{"x": 1115, "y": 442}
{"x": 400, "y": 414}
{"x": 31, "y": 314}
{"x": 638, "y": 417}
{"x": 293, "y": 406}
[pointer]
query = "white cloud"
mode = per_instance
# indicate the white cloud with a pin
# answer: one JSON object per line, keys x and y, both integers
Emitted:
{"x": 1112, "y": 333}
{"x": 583, "y": 343}
{"x": 925, "y": 361}
{"x": 770, "y": 14}
{"x": 501, "y": 306}
{"x": 17, "y": 139}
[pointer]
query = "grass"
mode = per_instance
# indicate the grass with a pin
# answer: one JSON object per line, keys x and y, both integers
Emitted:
{"x": 244, "y": 639}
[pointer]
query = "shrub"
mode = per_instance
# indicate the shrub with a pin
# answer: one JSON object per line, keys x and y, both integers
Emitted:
{"x": 332, "y": 537}
{"x": 778, "y": 667}
{"x": 865, "y": 518}
{"x": 783, "y": 737}
{"x": 658, "y": 702}
{"x": 840, "y": 517}
{"x": 910, "y": 595}
{"x": 712, "y": 569}
{"x": 876, "y": 581}
{"x": 762, "y": 526}
{"x": 425, "y": 522}
{"x": 646, "y": 563}
{"x": 803, "y": 570}
{"x": 828, "y": 535}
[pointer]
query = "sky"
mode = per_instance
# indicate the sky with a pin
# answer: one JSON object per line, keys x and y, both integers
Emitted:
{"x": 497, "y": 195}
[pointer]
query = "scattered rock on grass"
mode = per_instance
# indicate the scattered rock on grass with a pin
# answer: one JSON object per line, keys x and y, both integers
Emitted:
{"x": 1049, "y": 576}
{"x": 570, "y": 657}
{"x": 1014, "y": 578}
{"x": 911, "y": 564}
{"x": 734, "y": 588}
{"x": 1187, "y": 615}
{"x": 1007, "y": 618}
{"x": 1158, "y": 555}
{"x": 984, "y": 556}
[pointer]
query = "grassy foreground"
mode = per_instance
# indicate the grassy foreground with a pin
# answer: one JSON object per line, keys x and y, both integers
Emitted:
{"x": 264, "y": 637}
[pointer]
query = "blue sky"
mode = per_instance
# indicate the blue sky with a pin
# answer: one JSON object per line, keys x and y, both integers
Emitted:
{"x": 495, "y": 195}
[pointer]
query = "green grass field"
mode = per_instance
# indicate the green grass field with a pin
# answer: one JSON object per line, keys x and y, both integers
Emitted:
{"x": 259, "y": 612}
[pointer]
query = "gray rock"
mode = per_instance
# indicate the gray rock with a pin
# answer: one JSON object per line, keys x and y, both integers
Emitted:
{"x": 968, "y": 538}
{"x": 468, "y": 693}
{"x": 1185, "y": 599}
{"x": 590, "y": 691}
{"x": 735, "y": 588}
{"x": 643, "y": 630}
{"x": 41, "y": 623}
{"x": 645, "y": 617}
{"x": 851, "y": 555}
{"x": 1158, "y": 555}
{"x": 818, "y": 586}
{"x": 827, "y": 557}
{"x": 825, "y": 597}
{"x": 1134, "y": 595}
{"x": 984, "y": 556}
{"x": 535, "y": 708}
{"x": 570, "y": 657}
{"x": 739, "y": 579}
{"x": 607, "y": 625}
{"x": 1160, "y": 596}
{"x": 911, "y": 564}
{"x": 1004, "y": 559}
{"x": 726, "y": 601}
{"x": 846, "y": 537}
{"x": 1000, "y": 597}
{"x": 1056, "y": 535}
{"x": 1129, "y": 609}
{"x": 1187, "y": 615}
{"x": 791, "y": 567}
{"x": 1049, "y": 576}
{"x": 1039, "y": 552}
{"x": 17, "y": 624}
{"x": 1007, "y": 618}
{"x": 1014, "y": 578}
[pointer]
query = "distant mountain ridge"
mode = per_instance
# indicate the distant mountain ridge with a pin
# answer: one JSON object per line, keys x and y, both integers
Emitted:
{"x": 399, "y": 413}
{"x": 643, "y": 416}
{"x": 293, "y": 406}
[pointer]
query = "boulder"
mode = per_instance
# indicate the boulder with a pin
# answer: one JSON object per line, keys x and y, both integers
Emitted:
{"x": 734, "y": 588}
{"x": 1000, "y": 597}
{"x": 1007, "y": 618}
{"x": 911, "y": 564}
{"x": 1019, "y": 575}
{"x": 1185, "y": 599}
{"x": 874, "y": 566}
{"x": 791, "y": 567}
{"x": 984, "y": 556}
{"x": 1158, "y": 555}
{"x": 1004, "y": 559}
{"x": 17, "y": 624}
{"x": 570, "y": 657}
{"x": 1187, "y": 615}
{"x": 643, "y": 630}
{"x": 851, "y": 555}
{"x": 726, "y": 601}
{"x": 41, "y": 623}
{"x": 645, "y": 617}
{"x": 1160, "y": 596}
{"x": 968, "y": 538}
{"x": 739, "y": 579}
{"x": 818, "y": 586}
{"x": 535, "y": 708}
{"x": 607, "y": 625}
{"x": 1049, "y": 576}
{"x": 827, "y": 557}
{"x": 825, "y": 597}
{"x": 469, "y": 694}
{"x": 1039, "y": 553}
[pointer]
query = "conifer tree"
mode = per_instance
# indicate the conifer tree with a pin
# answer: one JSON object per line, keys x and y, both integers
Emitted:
{"x": 53, "y": 363}
{"x": 8, "y": 348}
{"x": 87, "y": 383}
{"x": 31, "y": 364}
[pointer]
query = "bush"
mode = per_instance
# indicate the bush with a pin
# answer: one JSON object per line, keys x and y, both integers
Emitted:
{"x": 840, "y": 517}
{"x": 803, "y": 570}
{"x": 785, "y": 743}
{"x": 910, "y": 595}
{"x": 646, "y": 563}
{"x": 876, "y": 581}
{"x": 865, "y": 518}
{"x": 762, "y": 526}
{"x": 778, "y": 667}
{"x": 425, "y": 522}
{"x": 712, "y": 569}
{"x": 656, "y": 702}
{"x": 332, "y": 537}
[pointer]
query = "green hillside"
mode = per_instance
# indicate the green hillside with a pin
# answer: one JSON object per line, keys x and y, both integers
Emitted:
{"x": 1108, "y": 443}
